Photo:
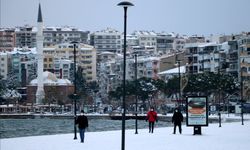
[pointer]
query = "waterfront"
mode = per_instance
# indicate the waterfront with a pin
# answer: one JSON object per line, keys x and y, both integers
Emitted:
{"x": 34, "y": 125}
{"x": 11, "y": 128}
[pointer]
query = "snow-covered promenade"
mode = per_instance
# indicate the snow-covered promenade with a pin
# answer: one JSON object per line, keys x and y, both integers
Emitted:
{"x": 231, "y": 136}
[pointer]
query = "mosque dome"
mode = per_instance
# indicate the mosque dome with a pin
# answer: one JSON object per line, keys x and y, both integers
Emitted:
{"x": 51, "y": 79}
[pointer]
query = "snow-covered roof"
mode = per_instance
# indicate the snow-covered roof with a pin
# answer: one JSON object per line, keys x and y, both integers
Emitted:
{"x": 174, "y": 71}
{"x": 10, "y": 94}
{"x": 208, "y": 44}
{"x": 106, "y": 53}
{"x": 24, "y": 51}
{"x": 51, "y": 79}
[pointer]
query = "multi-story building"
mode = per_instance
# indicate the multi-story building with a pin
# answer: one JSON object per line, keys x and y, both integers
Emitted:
{"x": 146, "y": 38}
{"x": 106, "y": 40}
{"x": 203, "y": 57}
{"x": 111, "y": 72}
{"x": 132, "y": 40}
{"x": 58, "y": 35}
{"x": 230, "y": 48}
{"x": 179, "y": 43}
{"x": 144, "y": 50}
{"x": 244, "y": 57}
{"x": 63, "y": 68}
{"x": 165, "y": 43}
{"x": 23, "y": 65}
{"x": 7, "y": 39}
{"x": 4, "y": 64}
{"x": 196, "y": 39}
{"x": 26, "y": 36}
{"x": 85, "y": 57}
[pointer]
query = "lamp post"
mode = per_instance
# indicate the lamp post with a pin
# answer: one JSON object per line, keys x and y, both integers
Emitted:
{"x": 241, "y": 95}
{"x": 219, "y": 73}
{"x": 179, "y": 74}
{"x": 136, "y": 96}
{"x": 125, "y": 5}
{"x": 74, "y": 44}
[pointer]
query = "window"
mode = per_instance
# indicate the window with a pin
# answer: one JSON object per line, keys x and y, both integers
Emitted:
{"x": 65, "y": 66}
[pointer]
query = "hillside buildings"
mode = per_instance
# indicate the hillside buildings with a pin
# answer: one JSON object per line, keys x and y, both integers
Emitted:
{"x": 100, "y": 55}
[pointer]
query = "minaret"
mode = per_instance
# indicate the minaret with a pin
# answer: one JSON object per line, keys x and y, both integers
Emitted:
{"x": 39, "y": 46}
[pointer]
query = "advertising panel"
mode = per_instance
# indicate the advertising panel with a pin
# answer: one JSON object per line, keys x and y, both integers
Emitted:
{"x": 197, "y": 111}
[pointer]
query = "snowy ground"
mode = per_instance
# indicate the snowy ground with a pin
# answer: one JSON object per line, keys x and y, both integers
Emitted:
{"x": 231, "y": 136}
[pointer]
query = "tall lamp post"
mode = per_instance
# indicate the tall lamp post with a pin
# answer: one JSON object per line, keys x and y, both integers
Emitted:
{"x": 125, "y": 5}
{"x": 219, "y": 113}
{"x": 241, "y": 95}
{"x": 74, "y": 44}
{"x": 136, "y": 96}
{"x": 179, "y": 74}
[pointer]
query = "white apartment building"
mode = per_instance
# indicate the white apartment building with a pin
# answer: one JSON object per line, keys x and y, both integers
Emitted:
{"x": 58, "y": 35}
{"x": 26, "y": 36}
{"x": 146, "y": 38}
{"x": 179, "y": 43}
{"x": 106, "y": 40}
{"x": 63, "y": 68}
{"x": 203, "y": 57}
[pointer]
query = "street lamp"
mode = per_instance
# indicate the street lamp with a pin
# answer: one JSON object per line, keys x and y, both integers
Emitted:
{"x": 125, "y": 5}
{"x": 179, "y": 74}
{"x": 241, "y": 94}
{"x": 136, "y": 96}
{"x": 74, "y": 44}
{"x": 219, "y": 73}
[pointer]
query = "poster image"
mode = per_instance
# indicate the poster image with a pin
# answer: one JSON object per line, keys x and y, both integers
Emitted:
{"x": 197, "y": 111}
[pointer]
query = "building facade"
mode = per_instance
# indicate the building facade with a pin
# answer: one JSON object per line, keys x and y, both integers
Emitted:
{"x": 106, "y": 40}
{"x": 58, "y": 35}
{"x": 7, "y": 39}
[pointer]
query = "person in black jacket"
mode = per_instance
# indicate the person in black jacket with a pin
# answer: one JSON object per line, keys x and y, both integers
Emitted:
{"x": 177, "y": 119}
{"x": 82, "y": 122}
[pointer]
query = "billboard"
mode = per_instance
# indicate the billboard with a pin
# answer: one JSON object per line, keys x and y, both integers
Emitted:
{"x": 197, "y": 111}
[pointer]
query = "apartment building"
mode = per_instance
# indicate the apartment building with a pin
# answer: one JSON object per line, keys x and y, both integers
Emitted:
{"x": 7, "y": 39}
{"x": 85, "y": 58}
{"x": 146, "y": 38}
{"x": 111, "y": 72}
{"x": 203, "y": 57}
{"x": 244, "y": 56}
{"x": 58, "y": 35}
{"x": 165, "y": 43}
{"x": 106, "y": 40}
{"x": 4, "y": 64}
{"x": 26, "y": 36}
{"x": 23, "y": 65}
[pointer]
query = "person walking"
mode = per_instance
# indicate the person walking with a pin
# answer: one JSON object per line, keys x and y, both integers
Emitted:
{"x": 82, "y": 122}
{"x": 151, "y": 118}
{"x": 177, "y": 119}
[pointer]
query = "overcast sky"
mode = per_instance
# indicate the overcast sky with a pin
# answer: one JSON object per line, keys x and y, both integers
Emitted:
{"x": 202, "y": 17}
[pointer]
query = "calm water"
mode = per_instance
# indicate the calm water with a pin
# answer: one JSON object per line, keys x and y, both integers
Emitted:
{"x": 10, "y": 128}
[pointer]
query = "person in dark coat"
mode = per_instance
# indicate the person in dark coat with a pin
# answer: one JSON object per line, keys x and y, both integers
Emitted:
{"x": 151, "y": 118}
{"x": 82, "y": 122}
{"x": 177, "y": 119}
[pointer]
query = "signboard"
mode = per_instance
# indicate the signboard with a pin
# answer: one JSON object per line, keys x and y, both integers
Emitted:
{"x": 237, "y": 109}
{"x": 197, "y": 111}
